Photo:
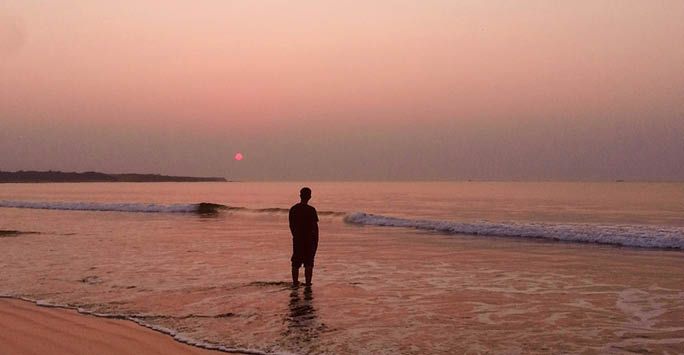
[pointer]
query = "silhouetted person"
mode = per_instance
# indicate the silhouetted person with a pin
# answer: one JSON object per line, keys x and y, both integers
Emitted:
{"x": 304, "y": 228}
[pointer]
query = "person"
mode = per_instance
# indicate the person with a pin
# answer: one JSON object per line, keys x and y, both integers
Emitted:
{"x": 304, "y": 228}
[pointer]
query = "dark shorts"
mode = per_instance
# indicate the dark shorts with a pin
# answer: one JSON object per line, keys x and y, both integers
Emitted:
{"x": 303, "y": 252}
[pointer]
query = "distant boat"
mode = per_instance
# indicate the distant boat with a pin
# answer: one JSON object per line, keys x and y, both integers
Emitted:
{"x": 619, "y": 180}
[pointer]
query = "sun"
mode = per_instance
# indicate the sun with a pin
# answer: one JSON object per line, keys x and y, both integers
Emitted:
{"x": 238, "y": 156}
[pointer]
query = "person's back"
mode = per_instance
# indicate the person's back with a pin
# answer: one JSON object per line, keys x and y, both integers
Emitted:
{"x": 304, "y": 228}
{"x": 303, "y": 220}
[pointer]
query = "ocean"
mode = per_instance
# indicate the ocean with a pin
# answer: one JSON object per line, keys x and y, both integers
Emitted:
{"x": 401, "y": 268}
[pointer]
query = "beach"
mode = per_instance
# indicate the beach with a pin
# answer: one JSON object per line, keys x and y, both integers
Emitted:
{"x": 29, "y": 329}
{"x": 488, "y": 177}
{"x": 408, "y": 285}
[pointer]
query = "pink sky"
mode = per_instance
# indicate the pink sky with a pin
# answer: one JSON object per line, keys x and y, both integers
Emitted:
{"x": 340, "y": 90}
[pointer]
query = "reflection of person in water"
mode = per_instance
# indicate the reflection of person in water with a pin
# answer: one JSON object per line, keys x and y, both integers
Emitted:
{"x": 302, "y": 312}
{"x": 304, "y": 228}
{"x": 302, "y": 323}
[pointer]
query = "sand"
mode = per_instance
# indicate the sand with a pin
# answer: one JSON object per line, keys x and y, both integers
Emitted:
{"x": 26, "y": 328}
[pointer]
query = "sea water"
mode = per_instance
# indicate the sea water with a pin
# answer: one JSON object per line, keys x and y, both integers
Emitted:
{"x": 412, "y": 268}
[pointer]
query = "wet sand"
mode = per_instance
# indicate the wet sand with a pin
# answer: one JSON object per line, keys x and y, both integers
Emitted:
{"x": 26, "y": 328}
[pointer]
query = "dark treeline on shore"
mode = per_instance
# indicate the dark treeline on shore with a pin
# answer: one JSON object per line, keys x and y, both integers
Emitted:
{"x": 92, "y": 176}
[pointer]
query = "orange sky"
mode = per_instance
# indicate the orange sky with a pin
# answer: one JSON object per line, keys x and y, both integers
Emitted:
{"x": 360, "y": 90}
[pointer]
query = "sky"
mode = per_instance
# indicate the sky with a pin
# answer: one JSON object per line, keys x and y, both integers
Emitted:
{"x": 345, "y": 90}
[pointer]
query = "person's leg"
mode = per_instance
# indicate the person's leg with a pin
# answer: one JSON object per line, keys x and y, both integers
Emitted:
{"x": 309, "y": 261}
{"x": 295, "y": 276}
{"x": 308, "y": 273}
{"x": 296, "y": 261}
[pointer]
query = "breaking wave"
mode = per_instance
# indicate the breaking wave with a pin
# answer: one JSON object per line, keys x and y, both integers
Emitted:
{"x": 118, "y": 207}
{"x": 13, "y": 233}
{"x": 203, "y": 207}
{"x": 643, "y": 236}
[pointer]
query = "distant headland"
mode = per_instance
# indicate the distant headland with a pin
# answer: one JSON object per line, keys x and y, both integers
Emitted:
{"x": 92, "y": 176}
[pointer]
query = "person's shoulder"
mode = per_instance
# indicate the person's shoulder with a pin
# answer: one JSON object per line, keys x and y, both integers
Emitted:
{"x": 301, "y": 207}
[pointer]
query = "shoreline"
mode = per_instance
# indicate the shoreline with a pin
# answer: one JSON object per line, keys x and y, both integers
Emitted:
{"x": 27, "y": 327}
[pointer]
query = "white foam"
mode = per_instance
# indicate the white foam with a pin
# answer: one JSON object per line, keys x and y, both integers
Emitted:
{"x": 93, "y": 206}
{"x": 644, "y": 236}
{"x": 177, "y": 336}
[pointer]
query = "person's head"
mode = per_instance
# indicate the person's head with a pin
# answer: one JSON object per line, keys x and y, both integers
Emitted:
{"x": 305, "y": 194}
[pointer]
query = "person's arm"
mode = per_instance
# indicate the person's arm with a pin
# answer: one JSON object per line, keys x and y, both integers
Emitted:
{"x": 315, "y": 226}
{"x": 291, "y": 218}
{"x": 315, "y": 231}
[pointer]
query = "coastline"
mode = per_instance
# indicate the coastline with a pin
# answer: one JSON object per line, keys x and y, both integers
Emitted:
{"x": 28, "y": 328}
